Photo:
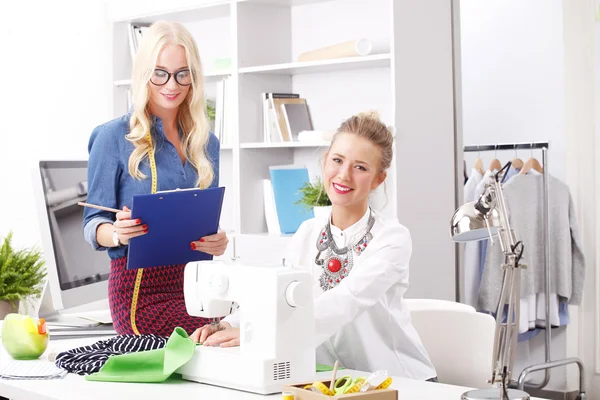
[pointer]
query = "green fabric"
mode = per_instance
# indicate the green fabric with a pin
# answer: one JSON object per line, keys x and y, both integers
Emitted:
{"x": 326, "y": 368}
{"x": 148, "y": 366}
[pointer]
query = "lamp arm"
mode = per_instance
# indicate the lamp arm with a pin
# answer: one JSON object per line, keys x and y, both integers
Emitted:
{"x": 505, "y": 337}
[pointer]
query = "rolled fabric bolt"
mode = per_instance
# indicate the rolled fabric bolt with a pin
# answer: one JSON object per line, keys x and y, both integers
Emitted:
{"x": 351, "y": 48}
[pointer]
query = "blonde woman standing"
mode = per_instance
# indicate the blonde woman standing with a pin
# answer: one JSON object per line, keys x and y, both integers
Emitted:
{"x": 163, "y": 143}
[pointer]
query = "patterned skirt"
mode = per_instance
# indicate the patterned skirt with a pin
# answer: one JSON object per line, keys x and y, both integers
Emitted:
{"x": 160, "y": 304}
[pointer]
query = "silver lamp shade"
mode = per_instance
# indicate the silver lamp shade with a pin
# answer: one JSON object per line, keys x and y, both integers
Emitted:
{"x": 468, "y": 224}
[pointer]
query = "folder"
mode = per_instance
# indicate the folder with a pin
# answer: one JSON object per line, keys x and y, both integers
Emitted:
{"x": 287, "y": 181}
{"x": 175, "y": 219}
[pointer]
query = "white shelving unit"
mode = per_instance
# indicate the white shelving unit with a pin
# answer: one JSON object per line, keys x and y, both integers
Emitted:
{"x": 263, "y": 39}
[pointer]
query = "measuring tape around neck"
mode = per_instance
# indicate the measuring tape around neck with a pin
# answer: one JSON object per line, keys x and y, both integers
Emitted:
{"x": 140, "y": 272}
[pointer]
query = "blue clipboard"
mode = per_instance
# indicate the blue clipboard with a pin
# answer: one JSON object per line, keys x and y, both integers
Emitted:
{"x": 175, "y": 219}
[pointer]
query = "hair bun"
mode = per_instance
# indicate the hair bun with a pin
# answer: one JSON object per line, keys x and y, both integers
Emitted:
{"x": 371, "y": 114}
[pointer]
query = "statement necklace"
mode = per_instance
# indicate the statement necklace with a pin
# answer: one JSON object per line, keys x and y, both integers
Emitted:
{"x": 337, "y": 263}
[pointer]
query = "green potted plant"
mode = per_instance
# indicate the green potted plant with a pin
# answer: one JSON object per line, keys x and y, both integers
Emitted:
{"x": 210, "y": 110}
{"x": 314, "y": 196}
{"x": 22, "y": 275}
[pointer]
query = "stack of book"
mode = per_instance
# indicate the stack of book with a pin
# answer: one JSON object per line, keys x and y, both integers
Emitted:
{"x": 223, "y": 128}
{"x": 136, "y": 32}
{"x": 285, "y": 115}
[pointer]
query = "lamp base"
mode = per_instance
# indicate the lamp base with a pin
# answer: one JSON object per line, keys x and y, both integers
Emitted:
{"x": 494, "y": 394}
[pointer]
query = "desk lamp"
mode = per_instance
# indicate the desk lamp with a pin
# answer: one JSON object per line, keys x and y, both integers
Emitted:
{"x": 479, "y": 220}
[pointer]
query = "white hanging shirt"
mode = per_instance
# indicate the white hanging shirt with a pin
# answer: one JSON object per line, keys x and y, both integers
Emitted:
{"x": 363, "y": 321}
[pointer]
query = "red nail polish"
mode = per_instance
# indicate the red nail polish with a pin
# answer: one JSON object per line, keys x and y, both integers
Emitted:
{"x": 145, "y": 227}
{"x": 201, "y": 239}
{"x": 193, "y": 245}
{"x": 145, "y": 230}
{"x": 138, "y": 221}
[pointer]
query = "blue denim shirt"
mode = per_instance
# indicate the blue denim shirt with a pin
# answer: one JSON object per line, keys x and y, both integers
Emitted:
{"x": 109, "y": 182}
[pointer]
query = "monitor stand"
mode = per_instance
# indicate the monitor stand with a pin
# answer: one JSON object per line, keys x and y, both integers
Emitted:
{"x": 89, "y": 320}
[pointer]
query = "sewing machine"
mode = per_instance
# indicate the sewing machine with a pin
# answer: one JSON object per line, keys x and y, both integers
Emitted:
{"x": 276, "y": 327}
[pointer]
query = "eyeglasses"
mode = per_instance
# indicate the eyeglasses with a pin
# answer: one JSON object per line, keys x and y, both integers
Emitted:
{"x": 160, "y": 77}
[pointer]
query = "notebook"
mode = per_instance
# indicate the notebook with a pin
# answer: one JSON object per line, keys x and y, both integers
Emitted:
{"x": 287, "y": 181}
{"x": 31, "y": 369}
{"x": 175, "y": 219}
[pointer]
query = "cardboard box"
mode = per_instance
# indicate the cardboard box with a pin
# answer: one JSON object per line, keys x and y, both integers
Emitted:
{"x": 303, "y": 394}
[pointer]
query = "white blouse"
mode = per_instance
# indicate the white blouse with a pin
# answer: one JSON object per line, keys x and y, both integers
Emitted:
{"x": 363, "y": 322}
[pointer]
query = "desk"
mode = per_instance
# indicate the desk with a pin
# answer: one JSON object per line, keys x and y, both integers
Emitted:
{"x": 75, "y": 387}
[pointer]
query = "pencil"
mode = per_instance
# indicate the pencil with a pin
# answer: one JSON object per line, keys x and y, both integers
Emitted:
{"x": 335, "y": 368}
{"x": 99, "y": 207}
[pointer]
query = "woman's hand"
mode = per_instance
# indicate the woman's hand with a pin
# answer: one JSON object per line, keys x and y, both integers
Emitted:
{"x": 201, "y": 334}
{"x": 214, "y": 245}
{"x": 228, "y": 337}
{"x": 127, "y": 228}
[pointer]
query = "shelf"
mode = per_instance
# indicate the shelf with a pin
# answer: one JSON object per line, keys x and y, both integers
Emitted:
{"x": 121, "y": 11}
{"x": 263, "y": 145}
{"x": 311, "y": 67}
{"x": 122, "y": 82}
{"x": 215, "y": 76}
{"x": 288, "y": 2}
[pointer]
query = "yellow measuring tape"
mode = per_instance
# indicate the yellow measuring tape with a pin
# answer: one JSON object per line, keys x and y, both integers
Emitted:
{"x": 385, "y": 384}
{"x": 140, "y": 272}
{"x": 355, "y": 388}
{"x": 319, "y": 387}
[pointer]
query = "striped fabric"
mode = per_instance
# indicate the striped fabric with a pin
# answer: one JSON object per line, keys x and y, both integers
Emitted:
{"x": 89, "y": 359}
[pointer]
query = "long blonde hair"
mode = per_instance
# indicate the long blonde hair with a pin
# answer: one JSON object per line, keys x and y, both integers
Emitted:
{"x": 191, "y": 115}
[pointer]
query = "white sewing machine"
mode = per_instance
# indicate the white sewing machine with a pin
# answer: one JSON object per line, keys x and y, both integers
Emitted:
{"x": 276, "y": 328}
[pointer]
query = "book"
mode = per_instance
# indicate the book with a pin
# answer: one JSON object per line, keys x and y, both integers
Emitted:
{"x": 287, "y": 181}
{"x": 272, "y": 125}
{"x": 297, "y": 119}
{"x": 283, "y": 128}
{"x": 136, "y": 33}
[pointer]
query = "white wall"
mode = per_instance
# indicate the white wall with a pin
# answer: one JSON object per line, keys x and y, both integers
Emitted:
{"x": 592, "y": 300}
{"x": 513, "y": 90}
{"x": 512, "y": 73}
{"x": 425, "y": 133}
{"x": 56, "y": 88}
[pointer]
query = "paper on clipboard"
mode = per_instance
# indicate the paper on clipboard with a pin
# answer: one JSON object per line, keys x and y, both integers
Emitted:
{"x": 175, "y": 219}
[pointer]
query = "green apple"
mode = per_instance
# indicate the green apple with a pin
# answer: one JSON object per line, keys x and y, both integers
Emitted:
{"x": 23, "y": 337}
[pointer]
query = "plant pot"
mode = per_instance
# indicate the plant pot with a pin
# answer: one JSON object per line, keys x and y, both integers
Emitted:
{"x": 322, "y": 212}
{"x": 7, "y": 307}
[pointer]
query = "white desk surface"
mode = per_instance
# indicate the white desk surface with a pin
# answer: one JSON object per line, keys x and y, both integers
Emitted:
{"x": 76, "y": 387}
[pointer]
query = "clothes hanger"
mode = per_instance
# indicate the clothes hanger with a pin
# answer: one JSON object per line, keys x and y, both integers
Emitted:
{"x": 517, "y": 162}
{"x": 478, "y": 163}
{"x": 495, "y": 164}
{"x": 532, "y": 163}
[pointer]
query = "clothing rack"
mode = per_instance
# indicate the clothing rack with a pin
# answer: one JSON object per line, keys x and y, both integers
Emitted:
{"x": 548, "y": 364}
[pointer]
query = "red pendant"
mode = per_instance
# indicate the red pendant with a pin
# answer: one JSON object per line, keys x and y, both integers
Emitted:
{"x": 334, "y": 265}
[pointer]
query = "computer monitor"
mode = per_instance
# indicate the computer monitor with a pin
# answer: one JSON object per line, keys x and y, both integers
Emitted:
{"x": 77, "y": 274}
